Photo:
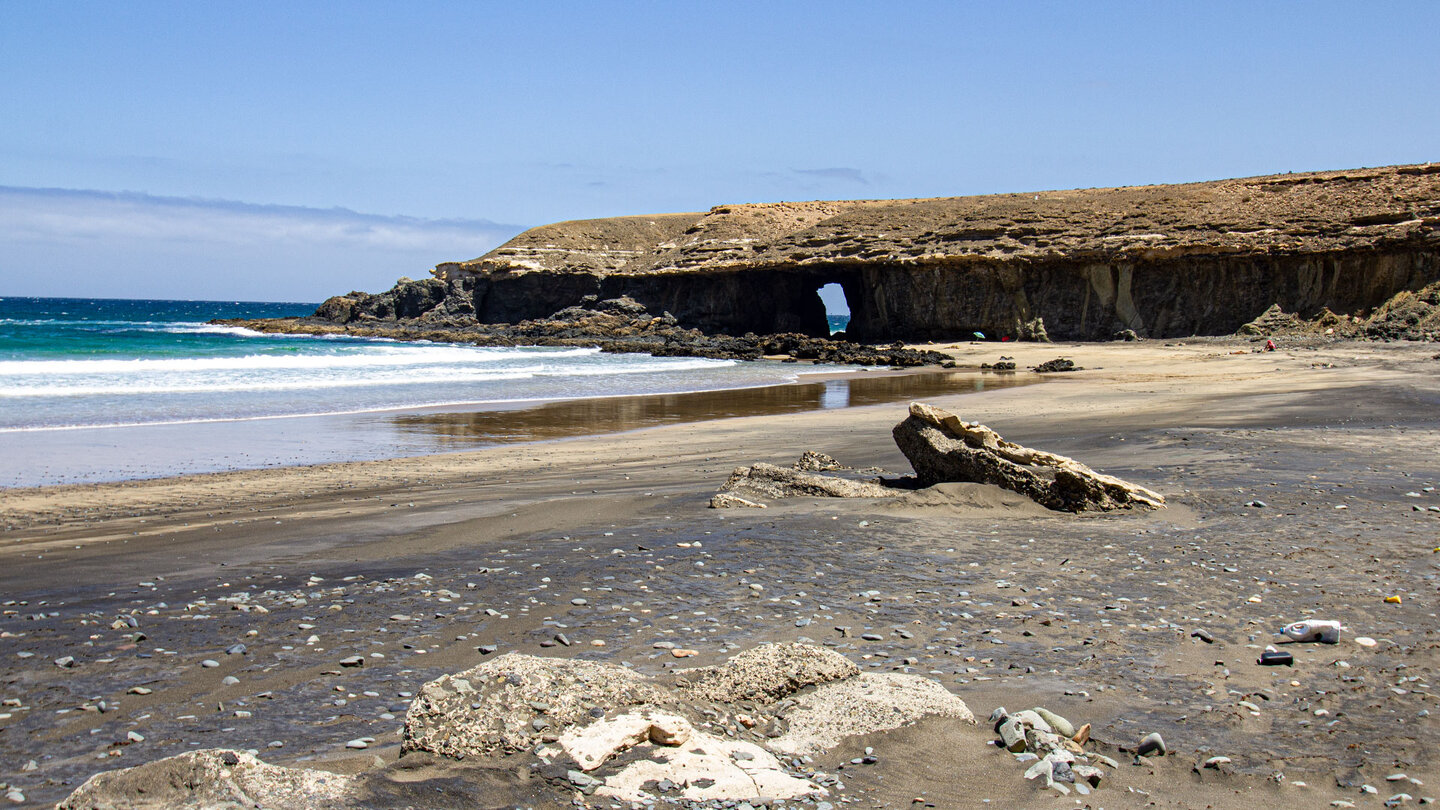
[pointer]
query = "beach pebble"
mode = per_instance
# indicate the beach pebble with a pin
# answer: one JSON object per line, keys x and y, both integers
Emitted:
{"x": 872, "y": 637}
{"x": 1150, "y": 744}
{"x": 230, "y": 680}
{"x": 1365, "y": 641}
{"x": 486, "y": 649}
{"x": 65, "y": 662}
{"x": 15, "y": 795}
{"x": 209, "y": 663}
{"x": 357, "y": 744}
{"x": 353, "y": 661}
{"x": 1399, "y": 799}
{"x": 563, "y": 639}
{"x": 1059, "y": 724}
{"x": 1216, "y": 762}
{"x": 135, "y": 737}
{"x": 141, "y": 690}
{"x": 579, "y": 602}
{"x": 235, "y": 649}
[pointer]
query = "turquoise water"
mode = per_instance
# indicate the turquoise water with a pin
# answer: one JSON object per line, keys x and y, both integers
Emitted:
{"x": 837, "y": 322}
{"x": 85, "y": 328}
{"x": 115, "y": 389}
{"x": 67, "y": 363}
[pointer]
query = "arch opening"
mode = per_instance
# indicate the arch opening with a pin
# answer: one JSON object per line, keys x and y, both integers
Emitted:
{"x": 837, "y": 308}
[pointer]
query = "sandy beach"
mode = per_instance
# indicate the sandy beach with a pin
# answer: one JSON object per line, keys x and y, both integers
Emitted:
{"x": 1301, "y": 484}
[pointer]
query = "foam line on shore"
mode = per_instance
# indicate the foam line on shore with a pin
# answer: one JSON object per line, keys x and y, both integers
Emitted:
{"x": 507, "y": 404}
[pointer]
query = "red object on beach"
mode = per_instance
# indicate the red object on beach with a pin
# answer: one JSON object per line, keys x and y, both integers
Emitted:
{"x": 1269, "y": 345}
{"x": 1005, "y": 339}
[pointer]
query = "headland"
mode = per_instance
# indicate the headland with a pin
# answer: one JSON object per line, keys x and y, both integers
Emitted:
{"x": 1354, "y": 252}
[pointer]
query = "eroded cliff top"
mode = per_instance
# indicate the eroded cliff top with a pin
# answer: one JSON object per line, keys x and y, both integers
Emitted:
{"x": 1289, "y": 213}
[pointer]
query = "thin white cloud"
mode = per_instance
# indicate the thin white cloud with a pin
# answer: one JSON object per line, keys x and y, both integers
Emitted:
{"x": 844, "y": 173}
{"x": 36, "y": 214}
{"x": 67, "y": 242}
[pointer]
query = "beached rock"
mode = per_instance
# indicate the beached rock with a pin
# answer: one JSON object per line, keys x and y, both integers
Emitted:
{"x": 941, "y": 447}
{"x": 1273, "y": 321}
{"x": 1151, "y": 745}
{"x": 769, "y": 481}
{"x": 487, "y": 709}
{"x": 864, "y": 704}
{"x": 599, "y": 728}
{"x": 812, "y": 461}
{"x": 729, "y": 500}
{"x": 766, "y": 673}
{"x": 1058, "y": 364}
{"x": 710, "y": 768}
{"x": 213, "y": 778}
{"x": 592, "y": 745}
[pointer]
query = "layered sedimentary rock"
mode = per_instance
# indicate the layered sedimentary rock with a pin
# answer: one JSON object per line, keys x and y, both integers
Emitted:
{"x": 1197, "y": 258}
{"x": 942, "y": 447}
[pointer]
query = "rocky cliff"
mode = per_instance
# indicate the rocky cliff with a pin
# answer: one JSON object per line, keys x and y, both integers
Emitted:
{"x": 1163, "y": 261}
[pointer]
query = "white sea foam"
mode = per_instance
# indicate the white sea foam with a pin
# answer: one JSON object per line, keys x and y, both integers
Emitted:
{"x": 368, "y": 357}
{"x": 194, "y": 372}
{"x": 301, "y": 374}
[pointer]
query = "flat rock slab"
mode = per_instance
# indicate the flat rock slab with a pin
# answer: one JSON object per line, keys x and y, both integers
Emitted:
{"x": 770, "y": 481}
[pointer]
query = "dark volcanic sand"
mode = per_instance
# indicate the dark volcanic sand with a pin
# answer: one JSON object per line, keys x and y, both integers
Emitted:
{"x": 999, "y": 600}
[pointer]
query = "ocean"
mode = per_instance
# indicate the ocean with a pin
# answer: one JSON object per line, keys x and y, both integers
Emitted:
{"x": 94, "y": 390}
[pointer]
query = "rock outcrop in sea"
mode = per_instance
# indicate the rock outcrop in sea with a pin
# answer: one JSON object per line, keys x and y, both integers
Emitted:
{"x": 1359, "y": 249}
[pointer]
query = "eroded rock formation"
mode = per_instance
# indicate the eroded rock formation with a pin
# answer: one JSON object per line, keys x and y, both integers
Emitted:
{"x": 212, "y": 778}
{"x": 614, "y": 325}
{"x": 583, "y": 727}
{"x": 1148, "y": 261}
{"x": 941, "y": 447}
{"x": 944, "y": 449}
{"x": 762, "y": 480}
{"x": 1196, "y": 258}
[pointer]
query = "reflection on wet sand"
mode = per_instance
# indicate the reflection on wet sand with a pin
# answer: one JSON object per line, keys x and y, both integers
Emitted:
{"x": 557, "y": 420}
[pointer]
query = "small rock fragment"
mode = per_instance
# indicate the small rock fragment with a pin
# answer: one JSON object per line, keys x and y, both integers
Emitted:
{"x": 1151, "y": 744}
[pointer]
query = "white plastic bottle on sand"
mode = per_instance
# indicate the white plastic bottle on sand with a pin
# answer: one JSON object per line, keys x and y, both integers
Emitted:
{"x": 1323, "y": 630}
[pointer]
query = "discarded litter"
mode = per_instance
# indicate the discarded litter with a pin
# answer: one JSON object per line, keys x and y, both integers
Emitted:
{"x": 1276, "y": 658}
{"x": 1325, "y": 631}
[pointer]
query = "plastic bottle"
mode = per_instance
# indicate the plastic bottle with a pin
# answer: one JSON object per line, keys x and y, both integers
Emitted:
{"x": 1322, "y": 630}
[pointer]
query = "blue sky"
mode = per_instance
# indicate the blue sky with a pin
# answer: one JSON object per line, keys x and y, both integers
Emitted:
{"x": 201, "y": 150}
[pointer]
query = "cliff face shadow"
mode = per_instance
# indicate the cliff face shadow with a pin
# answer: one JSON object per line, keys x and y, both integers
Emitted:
{"x": 559, "y": 420}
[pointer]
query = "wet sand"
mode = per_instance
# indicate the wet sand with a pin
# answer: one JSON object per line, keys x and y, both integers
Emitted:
{"x": 126, "y": 453}
{"x": 1002, "y": 602}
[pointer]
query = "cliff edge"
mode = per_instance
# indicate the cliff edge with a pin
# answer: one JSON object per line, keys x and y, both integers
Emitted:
{"x": 1161, "y": 261}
